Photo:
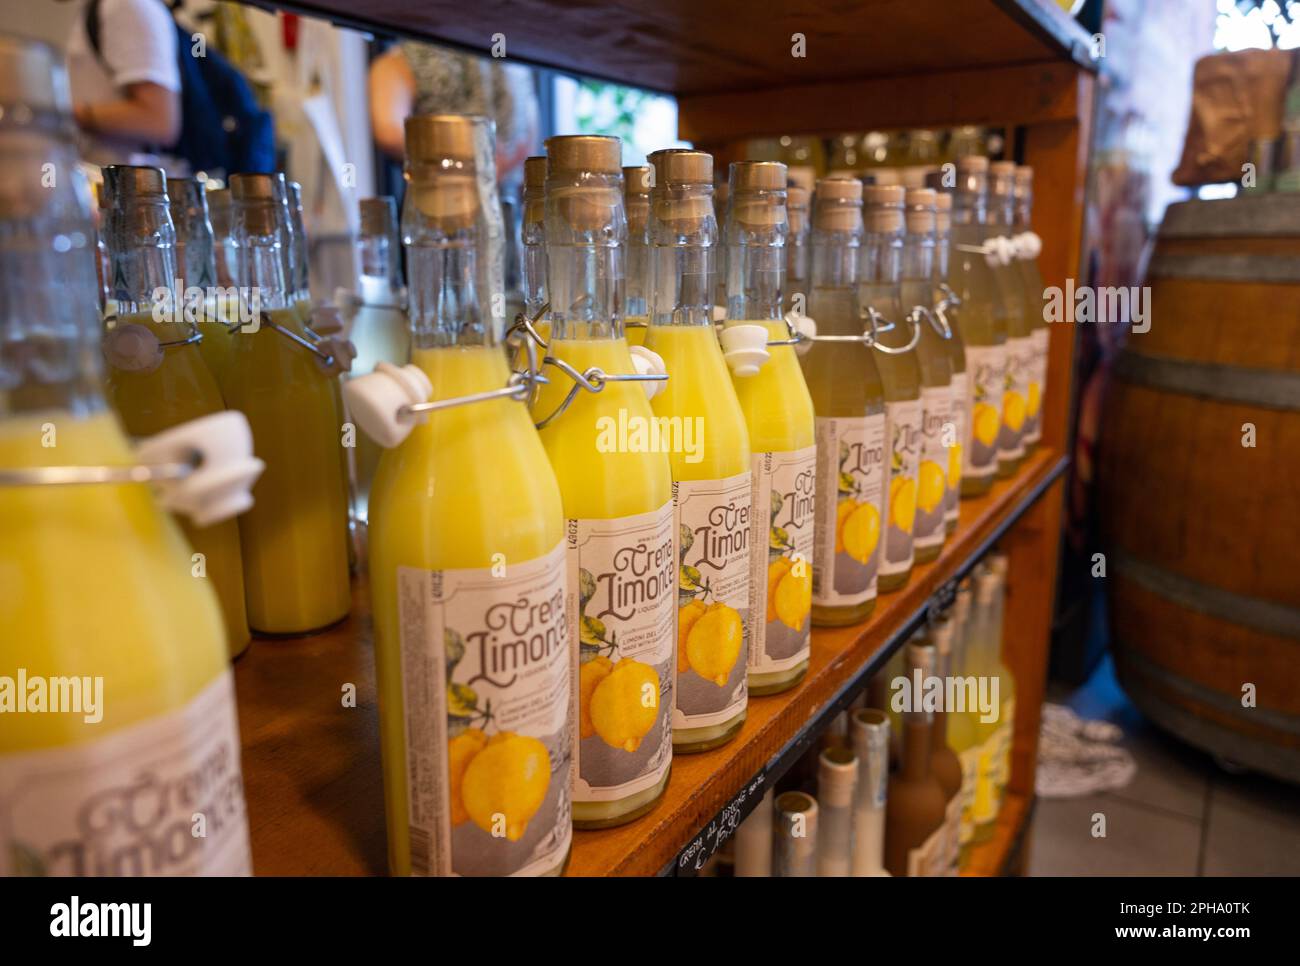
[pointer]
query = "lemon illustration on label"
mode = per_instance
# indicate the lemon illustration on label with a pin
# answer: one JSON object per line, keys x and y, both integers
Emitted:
{"x": 1035, "y": 399}
{"x": 932, "y": 486}
{"x": 624, "y": 704}
{"x": 986, "y": 423}
{"x": 460, "y": 751}
{"x": 507, "y": 780}
{"x": 902, "y": 503}
{"x": 713, "y": 643}
{"x": 1013, "y": 411}
{"x": 861, "y": 532}
{"x": 589, "y": 675}
{"x": 843, "y": 510}
{"x": 777, "y": 569}
{"x": 686, "y": 619}
{"x": 954, "y": 465}
{"x": 794, "y": 597}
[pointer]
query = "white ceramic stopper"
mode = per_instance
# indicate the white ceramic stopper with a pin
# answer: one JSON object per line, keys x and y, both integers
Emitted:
{"x": 131, "y": 347}
{"x": 221, "y": 486}
{"x": 326, "y": 320}
{"x": 648, "y": 362}
{"x": 745, "y": 348}
{"x": 1028, "y": 245}
{"x": 374, "y": 400}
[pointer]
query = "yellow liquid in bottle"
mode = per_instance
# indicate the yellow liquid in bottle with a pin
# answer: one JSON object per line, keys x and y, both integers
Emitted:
{"x": 778, "y": 413}
{"x": 295, "y": 538}
{"x": 635, "y": 328}
{"x": 956, "y": 350}
{"x": 468, "y": 488}
{"x": 180, "y": 389}
{"x": 97, "y": 582}
{"x": 711, "y": 663}
{"x": 845, "y": 384}
{"x": 603, "y": 477}
{"x": 1020, "y": 361}
{"x": 214, "y": 324}
{"x": 937, "y": 421}
{"x": 983, "y": 336}
{"x": 1032, "y": 285}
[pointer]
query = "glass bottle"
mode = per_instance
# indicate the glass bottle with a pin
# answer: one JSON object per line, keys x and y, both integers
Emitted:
{"x": 473, "y": 656}
{"x": 938, "y": 432}
{"x": 945, "y": 311}
{"x": 1020, "y": 345}
{"x": 979, "y": 322}
{"x": 880, "y": 265}
{"x": 798, "y": 200}
{"x": 712, "y": 480}
{"x": 156, "y": 376}
{"x": 849, "y": 399}
{"x": 295, "y": 538}
{"x": 99, "y": 584}
{"x": 196, "y": 260}
{"x": 617, "y": 495}
{"x": 636, "y": 200}
{"x": 914, "y": 815}
{"x": 779, "y": 416}
{"x": 869, "y": 730}
{"x": 837, "y": 779}
{"x": 943, "y": 760}
{"x": 1032, "y": 283}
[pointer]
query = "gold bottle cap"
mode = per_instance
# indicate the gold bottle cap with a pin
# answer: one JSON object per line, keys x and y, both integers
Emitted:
{"x": 535, "y": 173}
{"x": 583, "y": 152}
{"x": 442, "y": 156}
{"x": 379, "y": 217}
{"x": 757, "y": 193}
{"x": 942, "y": 211}
{"x": 837, "y": 204}
{"x": 258, "y": 198}
{"x": 797, "y": 196}
{"x": 682, "y": 166}
{"x": 758, "y": 176}
{"x": 32, "y": 77}
{"x": 683, "y": 180}
{"x": 127, "y": 183}
{"x": 636, "y": 198}
{"x": 1002, "y": 178}
{"x": 433, "y": 138}
{"x": 973, "y": 163}
{"x": 920, "y": 210}
{"x": 185, "y": 193}
{"x": 1024, "y": 176}
{"x": 882, "y": 206}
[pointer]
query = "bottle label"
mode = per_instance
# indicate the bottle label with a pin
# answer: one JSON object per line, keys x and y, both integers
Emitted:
{"x": 1015, "y": 397}
{"x": 985, "y": 807}
{"x": 937, "y": 430}
{"x": 960, "y": 417}
{"x": 781, "y": 559}
{"x": 986, "y": 371}
{"x": 714, "y": 531}
{"x": 970, "y": 772}
{"x": 930, "y": 857}
{"x": 1005, "y": 734}
{"x": 161, "y": 797}
{"x": 902, "y": 499}
{"x": 952, "y": 829}
{"x": 487, "y": 668}
{"x": 852, "y": 465}
{"x": 622, "y": 608}
{"x": 1037, "y": 384}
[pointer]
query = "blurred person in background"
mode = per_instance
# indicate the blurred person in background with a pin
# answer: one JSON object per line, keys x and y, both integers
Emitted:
{"x": 125, "y": 80}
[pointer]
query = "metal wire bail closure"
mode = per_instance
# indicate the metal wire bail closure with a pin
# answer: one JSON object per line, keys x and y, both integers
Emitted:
{"x": 77, "y": 475}
{"x": 796, "y": 337}
{"x": 593, "y": 380}
{"x": 937, "y": 322}
{"x": 877, "y": 323}
{"x": 528, "y": 327}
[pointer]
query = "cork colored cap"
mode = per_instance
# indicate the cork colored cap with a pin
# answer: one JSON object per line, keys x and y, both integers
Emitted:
{"x": 883, "y": 207}
{"x": 919, "y": 203}
{"x": 837, "y": 204}
{"x": 1002, "y": 178}
{"x": 127, "y": 184}
{"x": 681, "y": 166}
{"x": 257, "y": 197}
{"x": 797, "y": 196}
{"x": 757, "y": 192}
{"x": 1024, "y": 177}
{"x": 942, "y": 211}
{"x": 379, "y": 217}
{"x": 535, "y": 173}
{"x": 973, "y": 163}
{"x": 683, "y": 187}
{"x": 432, "y": 138}
{"x": 758, "y": 176}
{"x": 583, "y": 152}
{"x": 636, "y": 181}
{"x": 443, "y": 152}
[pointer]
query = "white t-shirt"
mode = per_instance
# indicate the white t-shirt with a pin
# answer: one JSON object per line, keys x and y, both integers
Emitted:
{"x": 137, "y": 44}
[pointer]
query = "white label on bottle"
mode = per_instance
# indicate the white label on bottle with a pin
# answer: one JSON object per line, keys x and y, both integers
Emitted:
{"x": 986, "y": 371}
{"x": 960, "y": 417}
{"x": 852, "y": 465}
{"x": 161, "y": 797}
{"x": 985, "y": 807}
{"x": 1037, "y": 386}
{"x": 901, "y": 497}
{"x": 714, "y": 530}
{"x": 487, "y": 667}
{"x": 1005, "y": 733}
{"x": 1015, "y": 397}
{"x": 932, "y": 475}
{"x": 781, "y": 559}
{"x": 622, "y": 607}
{"x": 929, "y": 858}
{"x": 970, "y": 771}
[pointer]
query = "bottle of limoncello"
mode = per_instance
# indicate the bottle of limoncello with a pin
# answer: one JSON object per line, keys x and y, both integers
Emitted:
{"x": 849, "y": 400}
{"x": 100, "y": 597}
{"x": 948, "y": 313}
{"x": 378, "y": 329}
{"x": 798, "y": 201}
{"x": 938, "y": 431}
{"x": 156, "y": 376}
{"x": 295, "y": 538}
{"x": 712, "y": 479}
{"x": 1020, "y": 343}
{"x": 965, "y": 731}
{"x": 636, "y": 202}
{"x": 467, "y": 558}
{"x": 616, "y": 485}
{"x": 984, "y": 665}
{"x": 779, "y": 417}
{"x": 197, "y": 267}
{"x": 982, "y": 329}
{"x": 1032, "y": 282}
{"x": 879, "y": 272}
{"x": 998, "y": 563}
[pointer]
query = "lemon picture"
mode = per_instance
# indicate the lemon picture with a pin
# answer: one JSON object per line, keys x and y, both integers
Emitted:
{"x": 986, "y": 423}
{"x": 508, "y": 778}
{"x": 1013, "y": 411}
{"x": 777, "y": 569}
{"x": 460, "y": 751}
{"x": 589, "y": 675}
{"x": 842, "y": 512}
{"x": 954, "y": 465}
{"x": 713, "y": 643}
{"x": 794, "y": 597}
{"x": 624, "y": 704}
{"x": 686, "y": 618}
{"x": 931, "y": 487}
{"x": 1035, "y": 400}
{"x": 902, "y": 503}
{"x": 861, "y": 532}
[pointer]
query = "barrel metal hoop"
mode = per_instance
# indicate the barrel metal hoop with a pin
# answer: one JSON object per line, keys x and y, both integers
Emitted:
{"x": 1270, "y": 388}
{"x": 1284, "y": 269}
{"x": 1264, "y": 616}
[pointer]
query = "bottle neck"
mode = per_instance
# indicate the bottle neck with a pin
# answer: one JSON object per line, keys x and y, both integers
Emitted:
{"x": 797, "y": 259}
{"x": 880, "y": 259}
{"x": 380, "y": 278}
{"x": 195, "y": 249}
{"x": 444, "y": 302}
{"x": 755, "y": 261}
{"x": 918, "y": 257}
{"x": 681, "y": 255}
{"x": 586, "y": 247}
{"x": 261, "y": 264}
{"x": 532, "y": 271}
{"x": 1002, "y": 212}
{"x": 636, "y": 284}
{"x": 835, "y": 257}
{"x": 141, "y": 255}
{"x": 1024, "y": 211}
{"x": 942, "y": 246}
{"x": 917, "y": 727}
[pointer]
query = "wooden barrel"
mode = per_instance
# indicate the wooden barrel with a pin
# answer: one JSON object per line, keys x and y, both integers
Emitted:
{"x": 1203, "y": 531}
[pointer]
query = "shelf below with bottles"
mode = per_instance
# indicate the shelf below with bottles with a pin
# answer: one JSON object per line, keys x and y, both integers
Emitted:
{"x": 1000, "y": 854}
{"x": 309, "y": 726}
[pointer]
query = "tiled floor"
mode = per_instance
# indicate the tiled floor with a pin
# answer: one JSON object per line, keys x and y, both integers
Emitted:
{"x": 1181, "y": 815}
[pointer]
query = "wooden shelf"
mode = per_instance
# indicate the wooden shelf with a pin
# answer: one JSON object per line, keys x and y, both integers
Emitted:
{"x": 687, "y": 47}
{"x": 997, "y": 855}
{"x": 312, "y": 765}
